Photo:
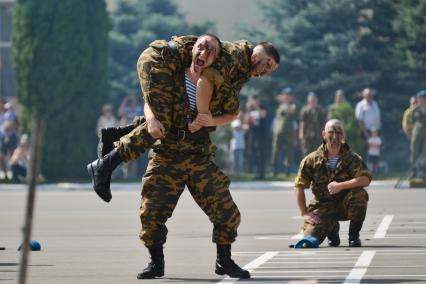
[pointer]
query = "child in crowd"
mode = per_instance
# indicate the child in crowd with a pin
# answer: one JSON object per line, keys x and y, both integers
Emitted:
{"x": 374, "y": 145}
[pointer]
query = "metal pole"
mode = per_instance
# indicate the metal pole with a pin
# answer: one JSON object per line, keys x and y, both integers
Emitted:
{"x": 37, "y": 135}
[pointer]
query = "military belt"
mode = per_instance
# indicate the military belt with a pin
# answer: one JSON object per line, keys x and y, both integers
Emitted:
{"x": 181, "y": 134}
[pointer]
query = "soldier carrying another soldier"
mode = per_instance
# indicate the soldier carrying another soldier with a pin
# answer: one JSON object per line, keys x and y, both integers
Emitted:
{"x": 183, "y": 158}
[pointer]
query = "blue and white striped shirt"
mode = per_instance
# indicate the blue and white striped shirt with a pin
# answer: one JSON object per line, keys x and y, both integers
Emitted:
{"x": 191, "y": 89}
{"x": 332, "y": 162}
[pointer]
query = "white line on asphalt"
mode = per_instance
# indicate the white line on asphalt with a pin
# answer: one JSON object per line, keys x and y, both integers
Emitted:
{"x": 303, "y": 262}
{"x": 328, "y": 266}
{"x": 383, "y": 227}
{"x": 408, "y": 223}
{"x": 319, "y": 257}
{"x": 340, "y": 276}
{"x": 354, "y": 253}
{"x": 252, "y": 265}
{"x": 298, "y": 271}
{"x": 416, "y": 236}
{"x": 325, "y": 252}
{"x": 360, "y": 268}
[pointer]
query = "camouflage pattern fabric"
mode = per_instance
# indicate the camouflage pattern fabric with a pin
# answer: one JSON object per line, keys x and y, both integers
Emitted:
{"x": 314, "y": 120}
{"x": 418, "y": 137}
{"x": 350, "y": 204}
{"x": 165, "y": 179}
{"x": 283, "y": 135}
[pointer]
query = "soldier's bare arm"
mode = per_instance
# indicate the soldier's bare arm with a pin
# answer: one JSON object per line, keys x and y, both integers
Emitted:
{"x": 209, "y": 120}
{"x": 203, "y": 96}
{"x": 308, "y": 217}
{"x": 155, "y": 127}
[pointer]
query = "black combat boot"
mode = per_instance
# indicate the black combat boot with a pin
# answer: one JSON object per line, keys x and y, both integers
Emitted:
{"x": 156, "y": 267}
{"x": 109, "y": 135}
{"x": 354, "y": 229}
{"x": 101, "y": 170}
{"x": 225, "y": 265}
{"x": 333, "y": 236}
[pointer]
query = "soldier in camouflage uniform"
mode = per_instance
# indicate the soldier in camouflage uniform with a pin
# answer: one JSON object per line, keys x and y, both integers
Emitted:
{"x": 283, "y": 133}
{"x": 336, "y": 176}
{"x": 418, "y": 137}
{"x": 181, "y": 158}
{"x": 312, "y": 119}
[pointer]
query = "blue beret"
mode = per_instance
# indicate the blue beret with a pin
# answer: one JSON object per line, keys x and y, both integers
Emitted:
{"x": 286, "y": 91}
{"x": 421, "y": 93}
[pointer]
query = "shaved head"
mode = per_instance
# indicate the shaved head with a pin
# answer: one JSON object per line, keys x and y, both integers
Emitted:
{"x": 333, "y": 123}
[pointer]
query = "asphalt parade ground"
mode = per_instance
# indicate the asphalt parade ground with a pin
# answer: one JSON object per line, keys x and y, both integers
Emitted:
{"x": 85, "y": 240}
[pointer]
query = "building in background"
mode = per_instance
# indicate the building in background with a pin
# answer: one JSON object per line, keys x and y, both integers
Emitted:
{"x": 7, "y": 88}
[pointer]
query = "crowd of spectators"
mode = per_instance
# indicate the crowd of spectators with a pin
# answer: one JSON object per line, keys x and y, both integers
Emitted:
{"x": 14, "y": 145}
{"x": 295, "y": 131}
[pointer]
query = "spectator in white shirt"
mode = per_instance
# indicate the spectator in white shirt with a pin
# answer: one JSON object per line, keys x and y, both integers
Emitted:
{"x": 237, "y": 146}
{"x": 367, "y": 113}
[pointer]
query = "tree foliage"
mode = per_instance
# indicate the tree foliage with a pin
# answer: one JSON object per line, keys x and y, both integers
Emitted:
{"x": 60, "y": 58}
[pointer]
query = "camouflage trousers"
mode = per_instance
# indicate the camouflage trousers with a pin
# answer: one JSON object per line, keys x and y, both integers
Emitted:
{"x": 134, "y": 144}
{"x": 164, "y": 182}
{"x": 418, "y": 145}
{"x": 282, "y": 143}
{"x": 351, "y": 206}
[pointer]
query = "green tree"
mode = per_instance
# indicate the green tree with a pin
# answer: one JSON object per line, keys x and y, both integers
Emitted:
{"x": 328, "y": 44}
{"x": 135, "y": 25}
{"x": 60, "y": 58}
{"x": 410, "y": 44}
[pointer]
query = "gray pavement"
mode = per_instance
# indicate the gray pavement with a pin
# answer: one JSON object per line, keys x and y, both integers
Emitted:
{"x": 85, "y": 240}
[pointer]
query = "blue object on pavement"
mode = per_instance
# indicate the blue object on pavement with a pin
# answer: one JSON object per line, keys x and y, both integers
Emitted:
{"x": 307, "y": 242}
{"x": 33, "y": 244}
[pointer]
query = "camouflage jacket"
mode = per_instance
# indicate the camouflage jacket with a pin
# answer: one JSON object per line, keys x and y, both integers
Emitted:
{"x": 229, "y": 73}
{"x": 316, "y": 174}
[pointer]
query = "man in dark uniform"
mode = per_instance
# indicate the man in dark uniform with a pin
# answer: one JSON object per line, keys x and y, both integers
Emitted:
{"x": 336, "y": 176}
{"x": 284, "y": 133}
{"x": 182, "y": 158}
{"x": 418, "y": 137}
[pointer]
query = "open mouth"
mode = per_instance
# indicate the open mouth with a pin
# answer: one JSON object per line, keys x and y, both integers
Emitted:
{"x": 200, "y": 62}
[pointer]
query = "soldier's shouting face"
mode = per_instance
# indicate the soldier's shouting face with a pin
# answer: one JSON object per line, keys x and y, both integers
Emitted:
{"x": 204, "y": 52}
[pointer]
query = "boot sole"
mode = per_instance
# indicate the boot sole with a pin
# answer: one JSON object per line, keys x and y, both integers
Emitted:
{"x": 150, "y": 277}
{"x": 222, "y": 272}
{"x": 91, "y": 172}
